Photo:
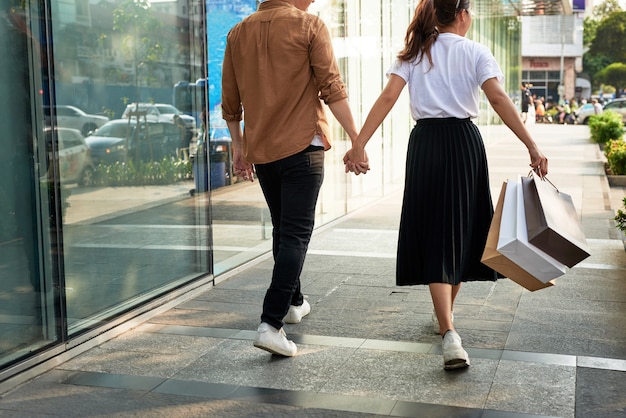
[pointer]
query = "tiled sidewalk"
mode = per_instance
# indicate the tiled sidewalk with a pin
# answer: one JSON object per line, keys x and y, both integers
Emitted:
{"x": 367, "y": 348}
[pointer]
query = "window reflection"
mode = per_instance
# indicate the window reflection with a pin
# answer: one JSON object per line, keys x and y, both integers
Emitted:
{"x": 27, "y": 316}
{"x": 133, "y": 230}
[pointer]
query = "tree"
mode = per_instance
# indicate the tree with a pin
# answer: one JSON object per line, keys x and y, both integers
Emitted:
{"x": 610, "y": 35}
{"x": 603, "y": 34}
{"x": 615, "y": 75}
{"x": 598, "y": 14}
{"x": 140, "y": 29}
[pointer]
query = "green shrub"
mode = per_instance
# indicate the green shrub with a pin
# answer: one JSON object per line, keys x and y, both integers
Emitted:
{"x": 606, "y": 126}
{"x": 620, "y": 218}
{"x": 166, "y": 171}
{"x": 615, "y": 152}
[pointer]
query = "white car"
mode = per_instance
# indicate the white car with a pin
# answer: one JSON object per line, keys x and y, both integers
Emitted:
{"x": 583, "y": 113}
{"x": 617, "y": 106}
{"x": 159, "y": 112}
{"x": 73, "y": 155}
{"x": 73, "y": 118}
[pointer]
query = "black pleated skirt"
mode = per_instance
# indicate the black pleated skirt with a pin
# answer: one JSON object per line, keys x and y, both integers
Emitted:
{"x": 447, "y": 207}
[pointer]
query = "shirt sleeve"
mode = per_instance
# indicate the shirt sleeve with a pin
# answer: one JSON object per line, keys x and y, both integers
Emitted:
{"x": 232, "y": 109}
{"x": 401, "y": 69}
{"x": 487, "y": 66}
{"x": 324, "y": 65}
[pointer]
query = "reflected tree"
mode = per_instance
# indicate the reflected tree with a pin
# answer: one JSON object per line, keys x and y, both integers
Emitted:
{"x": 135, "y": 20}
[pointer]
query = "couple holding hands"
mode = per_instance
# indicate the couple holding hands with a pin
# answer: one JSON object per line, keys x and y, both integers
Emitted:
{"x": 279, "y": 65}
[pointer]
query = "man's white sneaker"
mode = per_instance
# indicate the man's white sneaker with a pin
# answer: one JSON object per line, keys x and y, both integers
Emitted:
{"x": 436, "y": 329}
{"x": 454, "y": 356}
{"x": 296, "y": 313}
{"x": 274, "y": 341}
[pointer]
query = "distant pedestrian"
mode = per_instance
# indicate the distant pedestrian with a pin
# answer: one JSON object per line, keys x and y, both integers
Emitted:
{"x": 540, "y": 111}
{"x": 597, "y": 107}
{"x": 278, "y": 67}
{"x": 527, "y": 101}
{"x": 447, "y": 207}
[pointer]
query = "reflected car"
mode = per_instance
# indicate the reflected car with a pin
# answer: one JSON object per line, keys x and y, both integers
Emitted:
{"x": 160, "y": 112}
{"x": 122, "y": 140}
{"x": 617, "y": 106}
{"x": 74, "y": 118}
{"x": 583, "y": 113}
{"x": 73, "y": 154}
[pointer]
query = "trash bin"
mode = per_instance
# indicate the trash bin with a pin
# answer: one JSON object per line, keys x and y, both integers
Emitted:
{"x": 200, "y": 169}
{"x": 220, "y": 162}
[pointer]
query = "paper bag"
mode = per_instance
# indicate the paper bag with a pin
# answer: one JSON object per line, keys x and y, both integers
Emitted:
{"x": 492, "y": 258}
{"x": 513, "y": 240}
{"x": 552, "y": 222}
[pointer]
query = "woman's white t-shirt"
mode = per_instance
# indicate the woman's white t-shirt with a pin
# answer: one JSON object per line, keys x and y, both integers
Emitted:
{"x": 451, "y": 88}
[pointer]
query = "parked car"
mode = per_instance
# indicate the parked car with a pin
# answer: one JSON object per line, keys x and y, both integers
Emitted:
{"x": 617, "y": 106}
{"x": 73, "y": 154}
{"x": 74, "y": 118}
{"x": 583, "y": 113}
{"x": 126, "y": 139}
{"x": 163, "y": 112}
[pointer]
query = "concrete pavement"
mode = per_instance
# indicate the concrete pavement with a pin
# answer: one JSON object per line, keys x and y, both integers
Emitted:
{"x": 367, "y": 348}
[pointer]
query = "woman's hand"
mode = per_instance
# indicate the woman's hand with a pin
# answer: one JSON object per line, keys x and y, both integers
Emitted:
{"x": 538, "y": 162}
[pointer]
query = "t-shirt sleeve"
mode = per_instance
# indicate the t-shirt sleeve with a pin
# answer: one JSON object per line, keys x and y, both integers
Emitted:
{"x": 486, "y": 66}
{"x": 401, "y": 69}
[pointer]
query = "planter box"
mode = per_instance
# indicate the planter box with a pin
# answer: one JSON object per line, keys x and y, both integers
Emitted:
{"x": 616, "y": 181}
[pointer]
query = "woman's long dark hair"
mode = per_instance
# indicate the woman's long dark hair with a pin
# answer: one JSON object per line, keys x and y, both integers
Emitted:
{"x": 422, "y": 31}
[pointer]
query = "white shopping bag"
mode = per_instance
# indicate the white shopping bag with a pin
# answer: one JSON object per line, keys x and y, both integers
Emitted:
{"x": 513, "y": 240}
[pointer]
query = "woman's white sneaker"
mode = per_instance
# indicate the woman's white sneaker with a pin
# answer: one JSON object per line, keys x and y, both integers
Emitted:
{"x": 274, "y": 341}
{"x": 454, "y": 356}
{"x": 296, "y": 313}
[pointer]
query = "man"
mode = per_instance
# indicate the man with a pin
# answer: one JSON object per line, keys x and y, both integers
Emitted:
{"x": 278, "y": 66}
{"x": 597, "y": 107}
{"x": 527, "y": 100}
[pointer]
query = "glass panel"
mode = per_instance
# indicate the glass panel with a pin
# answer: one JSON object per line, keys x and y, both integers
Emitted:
{"x": 131, "y": 228}
{"x": 241, "y": 222}
{"x": 27, "y": 315}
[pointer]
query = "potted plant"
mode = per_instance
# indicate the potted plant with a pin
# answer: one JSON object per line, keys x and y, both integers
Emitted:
{"x": 620, "y": 221}
{"x": 615, "y": 153}
{"x": 605, "y": 127}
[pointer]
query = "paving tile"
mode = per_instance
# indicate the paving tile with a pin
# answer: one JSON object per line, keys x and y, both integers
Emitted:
{"x": 412, "y": 377}
{"x": 239, "y": 363}
{"x": 600, "y": 393}
{"x": 533, "y": 388}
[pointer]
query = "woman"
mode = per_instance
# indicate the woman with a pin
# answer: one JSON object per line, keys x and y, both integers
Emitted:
{"x": 447, "y": 206}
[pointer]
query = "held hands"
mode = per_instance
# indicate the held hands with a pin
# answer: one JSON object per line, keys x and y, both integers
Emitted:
{"x": 356, "y": 161}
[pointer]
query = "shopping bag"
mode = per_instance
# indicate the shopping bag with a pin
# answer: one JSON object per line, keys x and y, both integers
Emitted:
{"x": 552, "y": 222}
{"x": 493, "y": 258}
{"x": 513, "y": 239}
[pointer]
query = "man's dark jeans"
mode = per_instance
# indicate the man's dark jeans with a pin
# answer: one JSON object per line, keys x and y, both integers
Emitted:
{"x": 291, "y": 187}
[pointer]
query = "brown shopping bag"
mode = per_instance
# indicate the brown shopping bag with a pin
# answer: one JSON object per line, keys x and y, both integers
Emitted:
{"x": 494, "y": 259}
{"x": 552, "y": 221}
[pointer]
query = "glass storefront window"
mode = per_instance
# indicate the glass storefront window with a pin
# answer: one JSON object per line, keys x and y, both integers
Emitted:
{"x": 96, "y": 211}
{"x": 131, "y": 228}
{"x": 28, "y": 312}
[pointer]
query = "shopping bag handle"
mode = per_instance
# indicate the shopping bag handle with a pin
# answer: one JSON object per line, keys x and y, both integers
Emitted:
{"x": 542, "y": 178}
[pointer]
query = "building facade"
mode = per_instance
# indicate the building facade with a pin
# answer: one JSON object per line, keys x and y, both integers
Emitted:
{"x": 552, "y": 53}
{"x": 104, "y": 220}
